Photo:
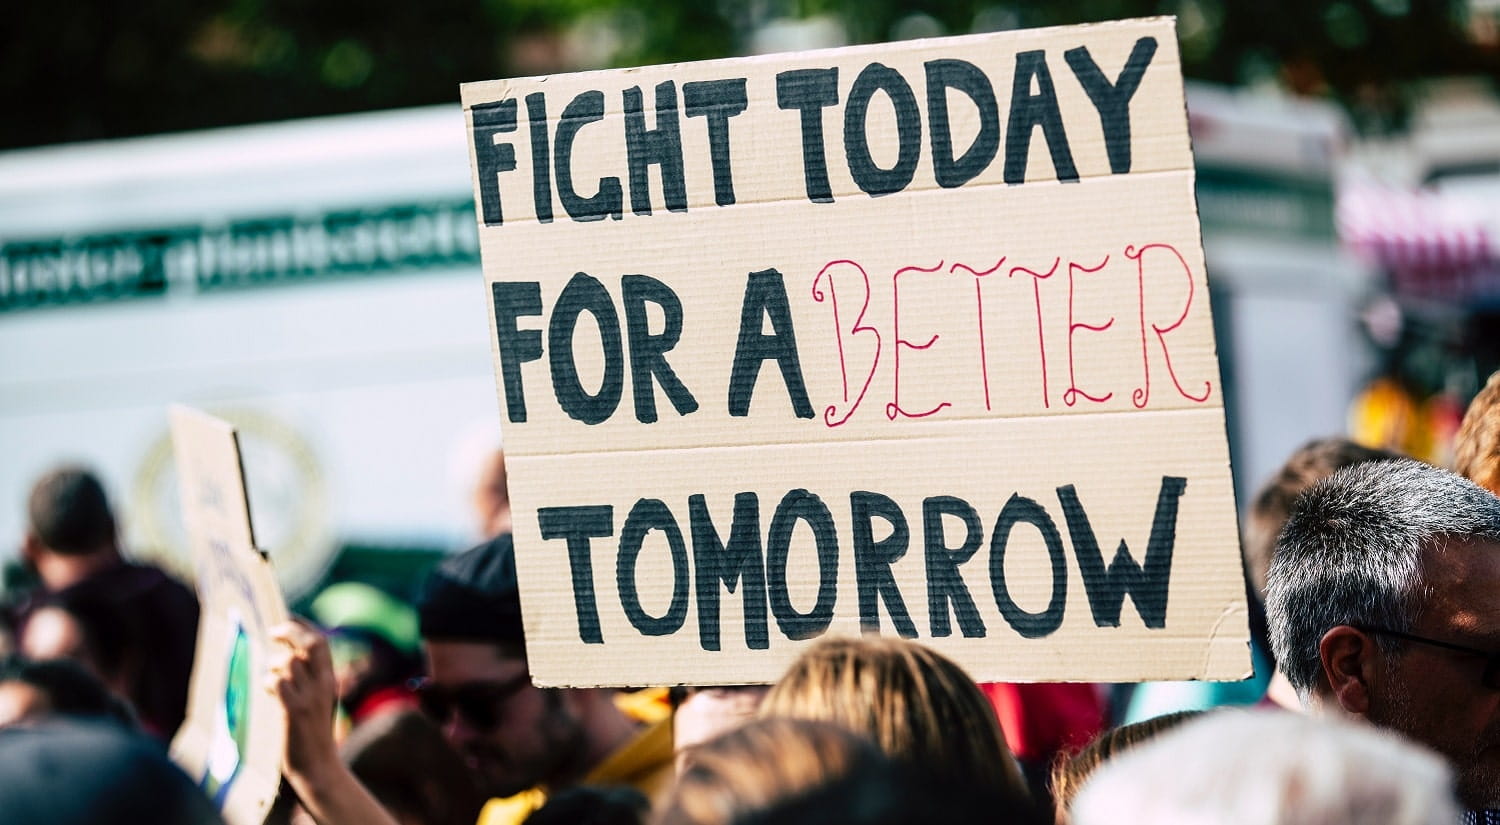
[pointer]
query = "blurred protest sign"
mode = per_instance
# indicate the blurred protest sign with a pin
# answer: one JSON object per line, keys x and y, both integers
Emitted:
{"x": 909, "y": 338}
{"x": 235, "y": 731}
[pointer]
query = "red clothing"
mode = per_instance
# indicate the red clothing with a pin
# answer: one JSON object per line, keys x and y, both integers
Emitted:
{"x": 1041, "y": 719}
{"x": 388, "y": 699}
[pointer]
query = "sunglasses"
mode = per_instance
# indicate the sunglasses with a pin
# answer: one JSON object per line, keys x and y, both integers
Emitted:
{"x": 479, "y": 704}
{"x": 1490, "y": 678}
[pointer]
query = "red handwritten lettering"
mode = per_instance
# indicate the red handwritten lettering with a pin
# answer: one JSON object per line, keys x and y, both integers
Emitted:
{"x": 894, "y": 409}
{"x": 831, "y": 412}
{"x": 1071, "y": 394}
{"x": 924, "y": 303}
{"x": 1142, "y": 394}
{"x": 1041, "y": 338}
{"x": 984, "y": 364}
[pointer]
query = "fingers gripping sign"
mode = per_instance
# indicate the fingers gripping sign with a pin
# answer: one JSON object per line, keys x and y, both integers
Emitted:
{"x": 300, "y": 675}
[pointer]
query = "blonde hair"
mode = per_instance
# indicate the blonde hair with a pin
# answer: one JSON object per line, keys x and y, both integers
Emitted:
{"x": 761, "y": 764}
{"x": 916, "y": 705}
{"x": 1476, "y": 448}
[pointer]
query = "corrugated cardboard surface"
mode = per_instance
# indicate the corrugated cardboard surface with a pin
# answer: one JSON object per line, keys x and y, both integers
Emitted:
{"x": 237, "y": 591}
{"x": 980, "y": 342}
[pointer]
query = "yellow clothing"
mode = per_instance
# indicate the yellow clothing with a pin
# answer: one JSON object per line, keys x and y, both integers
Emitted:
{"x": 644, "y": 763}
{"x": 512, "y": 810}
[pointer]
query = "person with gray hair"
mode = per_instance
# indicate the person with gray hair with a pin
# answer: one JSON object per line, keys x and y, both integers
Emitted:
{"x": 1236, "y": 767}
{"x": 1384, "y": 604}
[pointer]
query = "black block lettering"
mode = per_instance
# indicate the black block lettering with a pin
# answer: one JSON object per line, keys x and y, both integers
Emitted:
{"x": 811, "y": 91}
{"x": 648, "y": 351}
{"x": 1147, "y": 584}
{"x": 513, "y": 299}
{"x": 661, "y": 146}
{"x": 1112, "y": 100}
{"x": 765, "y": 297}
{"x": 945, "y": 585}
{"x": 873, "y": 560}
{"x": 867, "y": 175}
{"x": 652, "y": 514}
{"x": 1029, "y": 625}
{"x": 739, "y": 562}
{"x": 586, "y": 108}
{"x": 965, "y": 77}
{"x": 1027, "y": 111}
{"x": 585, "y": 294}
{"x": 795, "y": 506}
{"x": 577, "y": 525}
{"x": 718, "y": 101}
{"x": 541, "y": 161}
{"x": 491, "y": 158}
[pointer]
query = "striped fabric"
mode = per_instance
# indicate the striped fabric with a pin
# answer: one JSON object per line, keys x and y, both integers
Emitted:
{"x": 1433, "y": 245}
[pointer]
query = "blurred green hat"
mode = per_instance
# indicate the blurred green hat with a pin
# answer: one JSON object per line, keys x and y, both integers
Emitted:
{"x": 360, "y": 606}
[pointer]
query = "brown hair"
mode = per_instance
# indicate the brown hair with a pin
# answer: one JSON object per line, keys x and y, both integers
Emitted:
{"x": 403, "y": 759}
{"x": 1476, "y": 448}
{"x": 69, "y": 512}
{"x": 918, "y": 706}
{"x": 1311, "y": 463}
{"x": 761, "y": 764}
{"x": 1070, "y": 771}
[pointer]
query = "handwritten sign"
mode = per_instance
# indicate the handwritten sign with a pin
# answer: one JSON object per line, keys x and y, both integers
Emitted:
{"x": 234, "y": 735}
{"x": 911, "y": 339}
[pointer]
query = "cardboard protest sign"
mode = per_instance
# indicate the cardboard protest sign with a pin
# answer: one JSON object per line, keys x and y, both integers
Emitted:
{"x": 234, "y": 735}
{"x": 911, "y": 339}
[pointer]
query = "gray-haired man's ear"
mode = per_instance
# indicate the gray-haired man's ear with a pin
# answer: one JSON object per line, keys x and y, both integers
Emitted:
{"x": 1351, "y": 662}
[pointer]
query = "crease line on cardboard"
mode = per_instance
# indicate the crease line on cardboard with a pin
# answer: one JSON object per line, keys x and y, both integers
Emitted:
{"x": 697, "y": 208}
{"x": 1092, "y": 418}
{"x": 1238, "y": 608}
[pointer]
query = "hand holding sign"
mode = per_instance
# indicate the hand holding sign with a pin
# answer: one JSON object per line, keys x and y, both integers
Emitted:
{"x": 301, "y": 677}
{"x": 300, "y": 674}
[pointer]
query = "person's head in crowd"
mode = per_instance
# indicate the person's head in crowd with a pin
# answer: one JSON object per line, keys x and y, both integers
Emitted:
{"x": 1381, "y": 602}
{"x": 375, "y": 646}
{"x": 33, "y": 691}
{"x": 763, "y": 763}
{"x": 71, "y": 530}
{"x": 406, "y": 764}
{"x": 1309, "y": 464}
{"x": 593, "y": 805}
{"x": 1476, "y": 448}
{"x": 1270, "y": 768}
{"x": 87, "y": 630}
{"x": 132, "y": 624}
{"x": 74, "y": 773}
{"x": 701, "y": 713}
{"x": 1072, "y": 771}
{"x": 908, "y": 699}
{"x": 781, "y": 771}
{"x": 514, "y": 736}
{"x": 492, "y": 497}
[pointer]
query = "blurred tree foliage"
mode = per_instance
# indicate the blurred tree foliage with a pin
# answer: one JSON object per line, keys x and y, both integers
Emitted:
{"x": 91, "y": 69}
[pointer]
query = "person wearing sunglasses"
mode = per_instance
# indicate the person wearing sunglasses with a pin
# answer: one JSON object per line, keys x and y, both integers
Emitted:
{"x": 521, "y": 742}
{"x": 1383, "y": 602}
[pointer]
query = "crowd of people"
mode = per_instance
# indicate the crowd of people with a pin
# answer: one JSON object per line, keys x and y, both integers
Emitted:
{"x": 1373, "y": 580}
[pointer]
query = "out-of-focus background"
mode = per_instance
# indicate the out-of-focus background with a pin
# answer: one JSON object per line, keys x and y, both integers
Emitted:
{"x": 263, "y": 208}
